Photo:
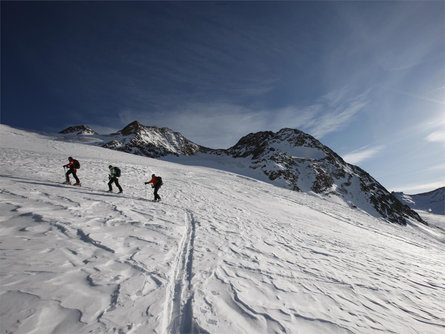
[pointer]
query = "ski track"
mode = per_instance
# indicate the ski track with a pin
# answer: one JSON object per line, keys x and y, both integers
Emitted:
{"x": 212, "y": 257}
{"x": 179, "y": 307}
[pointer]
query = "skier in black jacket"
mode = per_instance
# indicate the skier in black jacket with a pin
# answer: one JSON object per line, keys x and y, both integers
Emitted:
{"x": 115, "y": 172}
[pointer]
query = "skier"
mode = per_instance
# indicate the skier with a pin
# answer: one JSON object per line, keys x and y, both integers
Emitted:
{"x": 115, "y": 173}
{"x": 73, "y": 165}
{"x": 156, "y": 182}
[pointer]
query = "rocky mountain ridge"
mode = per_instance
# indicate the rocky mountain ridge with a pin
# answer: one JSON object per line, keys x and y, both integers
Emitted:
{"x": 289, "y": 158}
{"x": 432, "y": 201}
{"x": 79, "y": 130}
{"x": 307, "y": 165}
{"x": 151, "y": 141}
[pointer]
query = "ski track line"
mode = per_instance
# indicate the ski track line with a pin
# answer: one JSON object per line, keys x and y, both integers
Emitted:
{"x": 178, "y": 311}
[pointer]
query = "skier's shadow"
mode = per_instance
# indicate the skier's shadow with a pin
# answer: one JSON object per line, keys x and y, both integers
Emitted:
{"x": 106, "y": 194}
{"x": 43, "y": 184}
{"x": 31, "y": 181}
{"x": 77, "y": 189}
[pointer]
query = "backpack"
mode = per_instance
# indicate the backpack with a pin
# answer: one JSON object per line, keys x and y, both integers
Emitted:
{"x": 117, "y": 171}
{"x": 76, "y": 164}
{"x": 159, "y": 180}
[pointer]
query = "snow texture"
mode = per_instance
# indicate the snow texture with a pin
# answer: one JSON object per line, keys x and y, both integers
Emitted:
{"x": 221, "y": 253}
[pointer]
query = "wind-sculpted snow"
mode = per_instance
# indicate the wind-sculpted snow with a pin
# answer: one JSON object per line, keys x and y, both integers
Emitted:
{"x": 222, "y": 253}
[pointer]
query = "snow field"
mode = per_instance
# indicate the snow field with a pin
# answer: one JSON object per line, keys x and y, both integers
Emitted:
{"x": 220, "y": 254}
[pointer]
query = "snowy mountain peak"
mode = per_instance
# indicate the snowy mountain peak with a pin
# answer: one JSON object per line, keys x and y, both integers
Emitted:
{"x": 296, "y": 160}
{"x": 79, "y": 130}
{"x": 432, "y": 201}
{"x": 151, "y": 141}
{"x": 132, "y": 128}
{"x": 290, "y": 142}
{"x": 298, "y": 138}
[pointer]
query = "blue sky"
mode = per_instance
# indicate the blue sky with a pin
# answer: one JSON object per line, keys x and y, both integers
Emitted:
{"x": 365, "y": 78}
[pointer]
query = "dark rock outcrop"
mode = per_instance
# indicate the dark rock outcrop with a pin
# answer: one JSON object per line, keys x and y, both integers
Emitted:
{"x": 79, "y": 130}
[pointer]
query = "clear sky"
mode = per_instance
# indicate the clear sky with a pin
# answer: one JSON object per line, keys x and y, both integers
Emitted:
{"x": 365, "y": 78}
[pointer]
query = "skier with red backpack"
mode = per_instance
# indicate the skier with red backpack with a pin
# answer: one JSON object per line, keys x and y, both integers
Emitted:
{"x": 73, "y": 166}
{"x": 156, "y": 182}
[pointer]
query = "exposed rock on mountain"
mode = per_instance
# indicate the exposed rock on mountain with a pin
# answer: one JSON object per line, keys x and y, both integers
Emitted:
{"x": 304, "y": 164}
{"x": 151, "y": 141}
{"x": 79, "y": 130}
{"x": 432, "y": 201}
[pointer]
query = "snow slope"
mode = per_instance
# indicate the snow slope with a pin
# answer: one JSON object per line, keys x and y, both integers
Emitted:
{"x": 222, "y": 253}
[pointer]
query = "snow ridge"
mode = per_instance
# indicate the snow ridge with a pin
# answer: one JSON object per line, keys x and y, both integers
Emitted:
{"x": 86, "y": 238}
{"x": 432, "y": 201}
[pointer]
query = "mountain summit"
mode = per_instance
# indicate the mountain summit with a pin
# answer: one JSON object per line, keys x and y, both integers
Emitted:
{"x": 300, "y": 162}
{"x": 79, "y": 130}
{"x": 288, "y": 158}
{"x": 151, "y": 141}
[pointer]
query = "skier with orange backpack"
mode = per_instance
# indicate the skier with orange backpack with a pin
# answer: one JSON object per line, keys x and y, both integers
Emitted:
{"x": 156, "y": 182}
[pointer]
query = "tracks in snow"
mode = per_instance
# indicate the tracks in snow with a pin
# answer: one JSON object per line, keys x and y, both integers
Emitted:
{"x": 178, "y": 308}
